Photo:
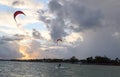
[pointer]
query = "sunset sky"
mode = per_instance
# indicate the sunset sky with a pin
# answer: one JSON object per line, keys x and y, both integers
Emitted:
{"x": 86, "y": 27}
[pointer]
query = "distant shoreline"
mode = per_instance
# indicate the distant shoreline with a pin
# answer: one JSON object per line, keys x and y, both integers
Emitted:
{"x": 59, "y": 62}
{"x": 97, "y": 60}
{"x": 101, "y": 64}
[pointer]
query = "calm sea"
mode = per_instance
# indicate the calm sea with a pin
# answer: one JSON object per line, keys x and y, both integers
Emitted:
{"x": 36, "y": 69}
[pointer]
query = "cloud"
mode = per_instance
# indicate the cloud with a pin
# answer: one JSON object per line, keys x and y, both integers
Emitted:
{"x": 13, "y": 38}
{"x": 88, "y": 28}
{"x": 68, "y": 15}
{"x": 12, "y": 49}
{"x": 116, "y": 35}
{"x": 74, "y": 37}
{"x": 57, "y": 29}
{"x": 9, "y": 50}
{"x": 17, "y": 3}
{"x": 30, "y": 50}
{"x": 95, "y": 19}
{"x": 54, "y": 6}
{"x": 22, "y": 4}
{"x": 7, "y": 17}
{"x": 36, "y": 34}
{"x": 80, "y": 15}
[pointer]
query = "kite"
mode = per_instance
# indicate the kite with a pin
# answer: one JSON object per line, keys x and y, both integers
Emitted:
{"x": 17, "y": 13}
{"x": 58, "y": 41}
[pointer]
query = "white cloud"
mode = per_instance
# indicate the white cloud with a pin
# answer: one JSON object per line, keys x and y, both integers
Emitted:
{"x": 73, "y": 37}
{"x": 116, "y": 35}
{"x": 23, "y": 4}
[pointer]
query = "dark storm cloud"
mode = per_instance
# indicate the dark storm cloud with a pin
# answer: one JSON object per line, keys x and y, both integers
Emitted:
{"x": 80, "y": 18}
{"x": 96, "y": 43}
{"x": 57, "y": 29}
{"x": 57, "y": 24}
{"x": 54, "y": 6}
{"x": 98, "y": 20}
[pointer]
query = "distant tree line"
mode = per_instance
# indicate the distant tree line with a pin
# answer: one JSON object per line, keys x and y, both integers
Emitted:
{"x": 71, "y": 60}
{"x": 101, "y": 60}
{"x": 97, "y": 60}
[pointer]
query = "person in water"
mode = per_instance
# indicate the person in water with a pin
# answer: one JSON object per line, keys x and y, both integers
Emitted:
{"x": 59, "y": 65}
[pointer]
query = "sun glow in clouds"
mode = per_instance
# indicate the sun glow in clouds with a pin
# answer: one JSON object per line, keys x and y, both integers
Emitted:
{"x": 23, "y": 51}
{"x": 74, "y": 37}
{"x": 27, "y": 52}
{"x": 28, "y": 49}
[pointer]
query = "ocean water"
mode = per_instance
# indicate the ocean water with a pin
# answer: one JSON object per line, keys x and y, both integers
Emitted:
{"x": 37, "y": 69}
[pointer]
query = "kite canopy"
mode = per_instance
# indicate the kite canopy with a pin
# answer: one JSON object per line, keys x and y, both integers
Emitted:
{"x": 17, "y": 13}
{"x": 59, "y": 40}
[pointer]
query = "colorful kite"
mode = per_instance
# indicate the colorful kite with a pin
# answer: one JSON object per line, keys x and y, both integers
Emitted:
{"x": 17, "y": 13}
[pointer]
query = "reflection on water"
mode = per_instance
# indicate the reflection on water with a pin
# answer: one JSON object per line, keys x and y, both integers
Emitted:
{"x": 36, "y": 69}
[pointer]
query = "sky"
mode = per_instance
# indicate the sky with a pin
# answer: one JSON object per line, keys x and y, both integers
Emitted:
{"x": 86, "y": 28}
